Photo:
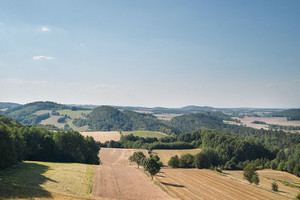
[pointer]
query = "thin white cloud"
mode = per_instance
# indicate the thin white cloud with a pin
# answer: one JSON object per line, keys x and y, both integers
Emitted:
{"x": 45, "y": 29}
{"x": 82, "y": 44}
{"x": 42, "y": 58}
{"x": 25, "y": 82}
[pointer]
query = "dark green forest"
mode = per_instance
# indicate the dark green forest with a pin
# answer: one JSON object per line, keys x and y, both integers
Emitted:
{"x": 291, "y": 114}
{"x": 18, "y": 142}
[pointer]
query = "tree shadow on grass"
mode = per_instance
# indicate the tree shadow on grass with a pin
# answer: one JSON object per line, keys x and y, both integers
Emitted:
{"x": 174, "y": 185}
{"x": 24, "y": 180}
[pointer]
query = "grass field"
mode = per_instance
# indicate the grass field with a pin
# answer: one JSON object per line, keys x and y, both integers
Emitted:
{"x": 145, "y": 134}
{"x": 207, "y": 184}
{"x": 31, "y": 179}
{"x": 74, "y": 114}
{"x": 166, "y": 154}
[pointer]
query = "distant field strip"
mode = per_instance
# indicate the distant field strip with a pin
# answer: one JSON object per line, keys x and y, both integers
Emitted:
{"x": 47, "y": 177}
{"x": 145, "y": 134}
{"x": 166, "y": 154}
{"x": 103, "y": 136}
{"x": 205, "y": 184}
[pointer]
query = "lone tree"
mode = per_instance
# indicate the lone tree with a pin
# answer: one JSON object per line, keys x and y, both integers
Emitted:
{"x": 137, "y": 157}
{"x": 174, "y": 161}
{"x": 250, "y": 174}
{"x": 151, "y": 166}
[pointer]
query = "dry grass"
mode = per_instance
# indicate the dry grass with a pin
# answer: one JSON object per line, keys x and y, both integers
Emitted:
{"x": 267, "y": 177}
{"x": 45, "y": 179}
{"x": 269, "y": 120}
{"x": 119, "y": 179}
{"x": 167, "y": 117}
{"x": 103, "y": 136}
{"x": 166, "y": 154}
{"x": 206, "y": 184}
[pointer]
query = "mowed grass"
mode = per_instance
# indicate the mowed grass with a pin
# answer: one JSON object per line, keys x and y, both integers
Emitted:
{"x": 166, "y": 154}
{"x": 146, "y": 134}
{"x": 75, "y": 113}
{"x": 31, "y": 179}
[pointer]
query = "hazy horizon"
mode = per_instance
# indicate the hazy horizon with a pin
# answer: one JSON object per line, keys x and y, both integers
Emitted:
{"x": 225, "y": 54}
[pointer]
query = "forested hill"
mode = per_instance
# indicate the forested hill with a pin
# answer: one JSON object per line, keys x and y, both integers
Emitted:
{"x": 107, "y": 118}
{"x": 290, "y": 114}
{"x": 7, "y": 105}
{"x": 26, "y": 113}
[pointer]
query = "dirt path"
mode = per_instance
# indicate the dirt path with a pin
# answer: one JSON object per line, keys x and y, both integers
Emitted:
{"x": 117, "y": 178}
{"x": 205, "y": 184}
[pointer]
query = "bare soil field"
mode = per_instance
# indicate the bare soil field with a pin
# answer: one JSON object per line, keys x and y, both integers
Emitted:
{"x": 166, "y": 154}
{"x": 117, "y": 178}
{"x": 269, "y": 120}
{"x": 103, "y": 136}
{"x": 206, "y": 184}
{"x": 289, "y": 185}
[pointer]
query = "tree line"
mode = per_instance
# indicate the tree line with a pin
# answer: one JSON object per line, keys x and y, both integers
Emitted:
{"x": 18, "y": 142}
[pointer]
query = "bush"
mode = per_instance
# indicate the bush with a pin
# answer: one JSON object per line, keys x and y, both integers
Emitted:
{"x": 274, "y": 186}
{"x": 186, "y": 161}
{"x": 174, "y": 162}
{"x": 250, "y": 174}
{"x": 298, "y": 196}
{"x": 201, "y": 161}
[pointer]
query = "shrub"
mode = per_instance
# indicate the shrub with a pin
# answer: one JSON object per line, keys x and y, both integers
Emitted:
{"x": 274, "y": 186}
{"x": 174, "y": 162}
{"x": 201, "y": 161}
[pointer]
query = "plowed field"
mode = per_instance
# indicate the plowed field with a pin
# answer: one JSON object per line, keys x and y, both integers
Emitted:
{"x": 206, "y": 184}
{"x": 289, "y": 184}
{"x": 116, "y": 178}
{"x": 103, "y": 136}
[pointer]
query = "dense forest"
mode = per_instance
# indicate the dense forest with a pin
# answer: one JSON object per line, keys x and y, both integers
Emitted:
{"x": 18, "y": 142}
{"x": 106, "y": 118}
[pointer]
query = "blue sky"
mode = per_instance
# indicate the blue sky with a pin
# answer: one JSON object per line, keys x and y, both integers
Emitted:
{"x": 151, "y": 53}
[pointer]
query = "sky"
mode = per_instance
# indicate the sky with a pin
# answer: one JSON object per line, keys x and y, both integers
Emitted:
{"x": 169, "y": 53}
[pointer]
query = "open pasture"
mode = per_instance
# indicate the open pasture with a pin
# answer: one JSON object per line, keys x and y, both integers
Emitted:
{"x": 289, "y": 184}
{"x": 166, "y": 154}
{"x": 207, "y": 184}
{"x": 103, "y": 136}
{"x": 146, "y": 134}
{"x": 31, "y": 179}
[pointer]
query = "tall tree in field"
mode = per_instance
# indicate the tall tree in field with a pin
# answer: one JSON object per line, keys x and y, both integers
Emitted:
{"x": 151, "y": 166}
{"x": 250, "y": 174}
{"x": 137, "y": 157}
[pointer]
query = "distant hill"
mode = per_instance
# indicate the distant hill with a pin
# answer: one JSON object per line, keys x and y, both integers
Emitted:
{"x": 106, "y": 118}
{"x": 26, "y": 113}
{"x": 8, "y": 105}
{"x": 290, "y": 114}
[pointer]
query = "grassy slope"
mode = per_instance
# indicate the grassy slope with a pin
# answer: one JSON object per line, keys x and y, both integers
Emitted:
{"x": 145, "y": 134}
{"x": 31, "y": 179}
{"x": 166, "y": 154}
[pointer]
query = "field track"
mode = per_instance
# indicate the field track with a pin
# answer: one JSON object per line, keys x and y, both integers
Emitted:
{"x": 117, "y": 178}
{"x": 206, "y": 184}
{"x": 103, "y": 136}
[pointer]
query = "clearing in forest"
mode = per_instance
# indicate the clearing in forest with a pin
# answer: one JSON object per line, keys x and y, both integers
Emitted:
{"x": 146, "y": 134}
{"x": 207, "y": 184}
{"x": 166, "y": 154}
{"x": 103, "y": 136}
{"x": 31, "y": 179}
{"x": 116, "y": 178}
